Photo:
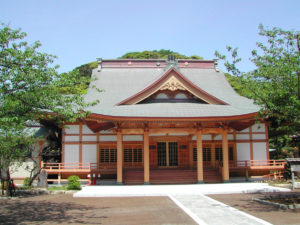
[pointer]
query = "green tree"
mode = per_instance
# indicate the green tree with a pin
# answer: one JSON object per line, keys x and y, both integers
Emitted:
{"x": 85, "y": 70}
{"x": 157, "y": 54}
{"x": 30, "y": 89}
{"x": 274, "y": 83}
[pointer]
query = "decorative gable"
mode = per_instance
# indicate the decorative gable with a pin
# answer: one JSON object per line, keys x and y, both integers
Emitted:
{"x": 173, "y": 84}
{"x": 172, "y": 81}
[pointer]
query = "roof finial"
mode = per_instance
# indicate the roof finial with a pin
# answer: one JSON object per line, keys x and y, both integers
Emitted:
{"x": 99, "y": 60}
{"x": 216, "y": 65}
{"x": 171, "y": 61}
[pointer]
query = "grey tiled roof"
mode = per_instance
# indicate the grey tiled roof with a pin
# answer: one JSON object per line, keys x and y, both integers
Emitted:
{"x": 119, "y": 84}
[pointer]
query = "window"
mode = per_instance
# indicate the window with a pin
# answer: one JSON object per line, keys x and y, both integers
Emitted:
{"x": 108, "y": 155}
{"x": 172, "y": 97}
{"x": 206, "y": 154}
{"x": 162, "y": 96}
{"x": 219, "y": 153}
{"x": 180, "y": 96}
{"x": 133, "y": 154}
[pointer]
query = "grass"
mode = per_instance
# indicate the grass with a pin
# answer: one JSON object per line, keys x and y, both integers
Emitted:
{"x": 57, "y": 188}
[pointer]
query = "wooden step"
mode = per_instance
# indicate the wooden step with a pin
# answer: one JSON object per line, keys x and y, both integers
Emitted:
{"x": 171, "y": 176}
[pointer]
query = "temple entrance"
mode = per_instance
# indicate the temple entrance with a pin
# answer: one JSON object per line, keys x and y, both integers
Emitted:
{"x": 167, "y": 154}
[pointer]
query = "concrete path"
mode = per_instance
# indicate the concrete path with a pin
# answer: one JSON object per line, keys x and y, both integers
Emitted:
{"x": 165, "y": 190}
{"x": 207, "y": 211}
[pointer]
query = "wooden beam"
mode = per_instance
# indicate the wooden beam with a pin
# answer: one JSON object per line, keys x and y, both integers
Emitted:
{"x": 132, "y": 131}
{"x": 212, "y": 130}
{"x": 172, "y": 130}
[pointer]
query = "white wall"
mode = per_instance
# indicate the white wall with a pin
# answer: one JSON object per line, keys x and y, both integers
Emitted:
{"x": 258, "y": 136}
{"x": 218, "y": 137}
{"x": 132, "y": 137}
{"x": 71, "y": 153}
{"x": 108, "y": 138}
{"x": 242, "y": 137}
{"x": 243, "y": 151}
{"x": 72, "y": 129}
{"x": 86, "y": 130}
{"x": 260, "y": 151}
{"x": 245, "y": 130}
{"x": 71, "y": 138}
{"x": 89, "y": 153}
{"x": 89, "y": 138}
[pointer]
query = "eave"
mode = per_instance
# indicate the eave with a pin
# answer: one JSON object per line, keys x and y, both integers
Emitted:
{"x": 169, "y": 119}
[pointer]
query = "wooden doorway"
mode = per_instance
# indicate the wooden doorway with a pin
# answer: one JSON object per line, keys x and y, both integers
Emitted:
{"x": 167, "y": 154}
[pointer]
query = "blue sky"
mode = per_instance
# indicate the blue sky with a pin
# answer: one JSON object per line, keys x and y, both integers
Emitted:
{"x": 80, "y": 31}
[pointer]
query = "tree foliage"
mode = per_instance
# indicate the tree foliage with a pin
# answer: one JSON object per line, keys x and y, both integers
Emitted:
{"x": 85, "y": 70}
{"x": 157, "y": 54}
{"x": 274, "y": 83}
{"x": 30, "y": 89}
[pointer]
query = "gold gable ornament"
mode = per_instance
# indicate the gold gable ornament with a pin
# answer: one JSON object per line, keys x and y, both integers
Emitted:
{"x": 172, "y": 84}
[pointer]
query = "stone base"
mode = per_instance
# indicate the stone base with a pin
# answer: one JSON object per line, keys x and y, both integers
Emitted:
{"x": 226, "y": 181}
{"x": 146, "y": 183}
{"x": 119, "y": 183}
{"x": 200, "y": 182}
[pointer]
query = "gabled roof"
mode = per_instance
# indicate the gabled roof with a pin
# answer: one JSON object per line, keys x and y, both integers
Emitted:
{"x": 172, "y": 80}
{"x": 126, "y": 82}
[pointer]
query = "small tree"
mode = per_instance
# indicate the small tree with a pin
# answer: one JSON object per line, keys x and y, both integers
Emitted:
{"x": 74, "y": 183}
{"x": 31, "y": 89}
{"x": 274, "y": 84}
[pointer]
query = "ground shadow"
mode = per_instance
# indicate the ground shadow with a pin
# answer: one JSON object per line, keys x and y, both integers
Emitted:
{"x": 16, "y": 212}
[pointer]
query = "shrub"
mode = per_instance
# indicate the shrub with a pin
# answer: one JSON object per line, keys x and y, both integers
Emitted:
{"x": 26, "y": 182}
{"x": 74, "y": 183}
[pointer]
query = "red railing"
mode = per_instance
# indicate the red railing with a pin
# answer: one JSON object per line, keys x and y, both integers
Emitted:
{"x": 66, "y": 166}
{"x": 76, "y": 167}
{"x": 258, "y": 164}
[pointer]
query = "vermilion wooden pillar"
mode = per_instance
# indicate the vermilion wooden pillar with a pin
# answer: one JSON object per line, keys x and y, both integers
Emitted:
{"x": 225, "y": 156}
{"x": 119, "y": 158}
{"x": 199, "y": 157}
{"x": 146, "y": 158}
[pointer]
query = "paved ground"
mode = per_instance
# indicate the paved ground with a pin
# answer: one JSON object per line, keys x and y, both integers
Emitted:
{"x": 64, "y": 209}
{"x": 186, "y": 205}
{"x": 190, "y": 198}
{"x": 266, "y": 212}
{"x": 207, "y": 211}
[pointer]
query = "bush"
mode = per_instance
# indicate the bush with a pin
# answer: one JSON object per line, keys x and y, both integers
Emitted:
{"x": 26, "y": 182}
{"x": 74, "y": 183}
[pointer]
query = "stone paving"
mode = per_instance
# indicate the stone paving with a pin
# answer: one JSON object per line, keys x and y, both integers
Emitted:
{"x": 207, "y": 211}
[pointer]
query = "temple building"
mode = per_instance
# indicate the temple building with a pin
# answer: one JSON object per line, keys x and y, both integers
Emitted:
{"x": 165, "y": 121}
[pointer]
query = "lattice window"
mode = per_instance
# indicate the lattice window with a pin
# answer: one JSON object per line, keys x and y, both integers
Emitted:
{"x": 133, "y": 154}
{"x": 108, "y": 155}
{"x": 219, "y": 153}
{"x": 206, "y": 154}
